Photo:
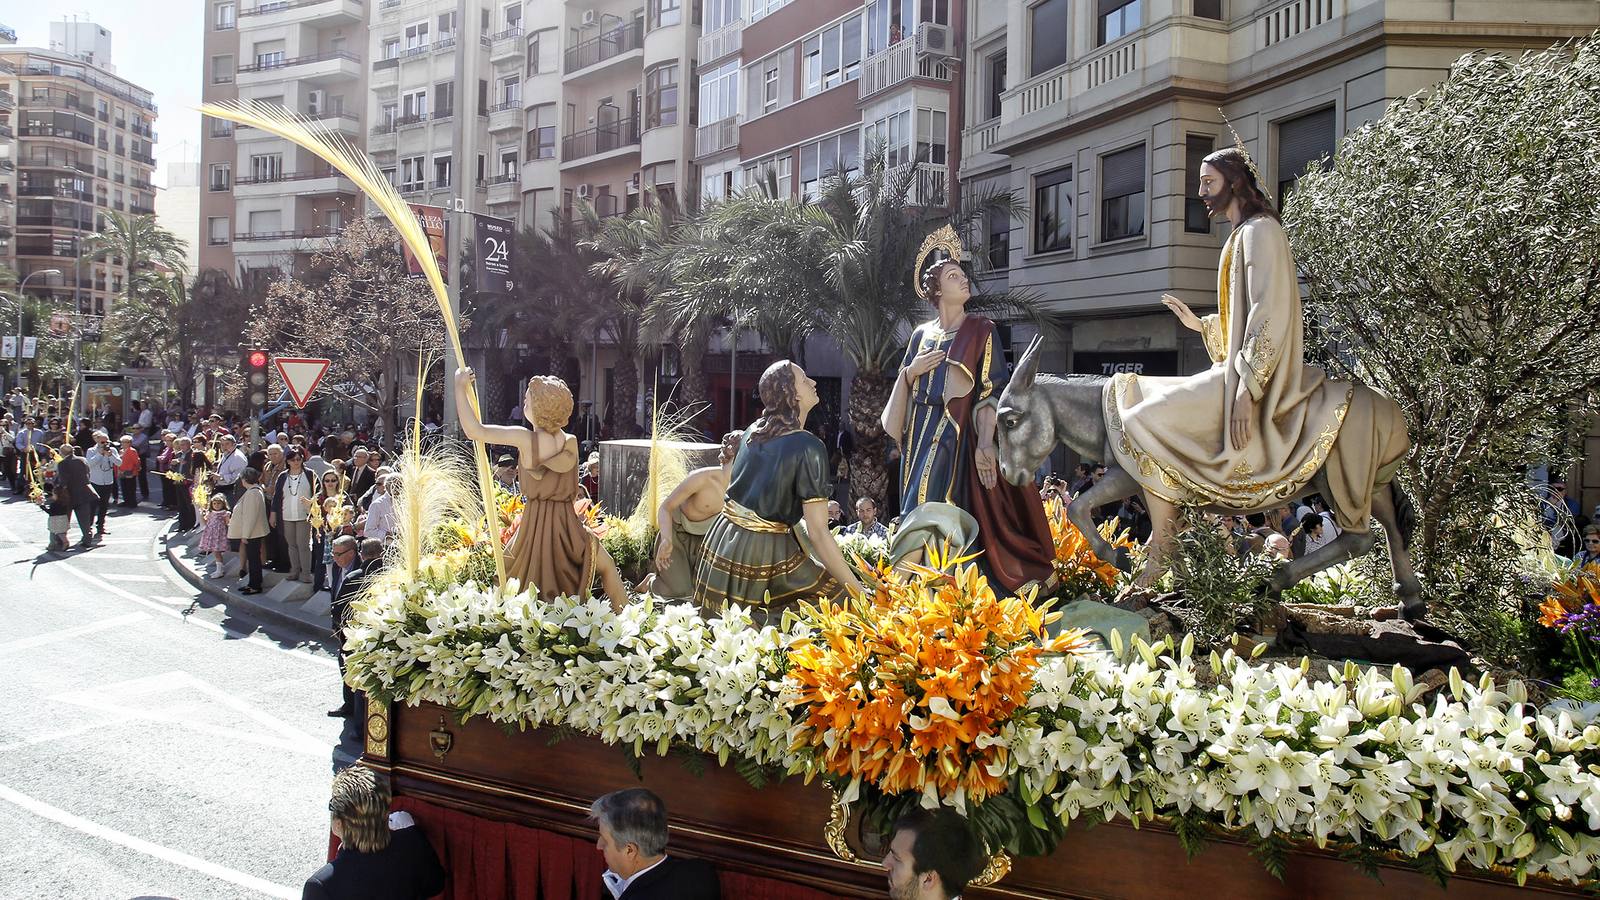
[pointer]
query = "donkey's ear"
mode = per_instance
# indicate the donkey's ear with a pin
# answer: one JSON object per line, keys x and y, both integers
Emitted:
{"x": 1028, "y": 366}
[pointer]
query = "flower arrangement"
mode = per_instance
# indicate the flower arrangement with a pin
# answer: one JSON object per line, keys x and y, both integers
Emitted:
{"x": 872, "y": 550}
{"x": 1077, "y": 569}
{"x": 1573, "y": 609}
{"x": 907, "y": 688}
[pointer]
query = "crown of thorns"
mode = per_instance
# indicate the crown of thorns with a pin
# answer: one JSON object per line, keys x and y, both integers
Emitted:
{"x": 1249, "y": 161}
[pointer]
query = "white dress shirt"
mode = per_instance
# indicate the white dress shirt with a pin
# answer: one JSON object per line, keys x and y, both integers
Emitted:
{"x": 380, "y": 516}
{"x": 231, "y": 467}
{"x": 103, "y": 466}
{"x": 615, "y": 883}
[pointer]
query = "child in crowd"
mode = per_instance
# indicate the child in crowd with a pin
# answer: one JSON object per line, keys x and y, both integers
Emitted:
{"x": 214, "y": 539}
{"x": 59, "y": 508}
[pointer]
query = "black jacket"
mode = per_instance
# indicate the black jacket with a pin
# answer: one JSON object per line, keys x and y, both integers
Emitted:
{"x": 676, "y": 878}
{"x": 275, "y": 505}
{"x": 74, "y": 473}
{"x": 407, "y": 869}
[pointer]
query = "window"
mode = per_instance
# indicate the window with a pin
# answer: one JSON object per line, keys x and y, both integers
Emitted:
{"x": 769, "y": 87}
{"x": 829, "y": 156}
{"x": 832, "y": 56}
{"x": 661, "y": 96}
{"x": 1052, "y": 211}
{"x": 665, "y": 12}
{"x": 224, "y": 18}
{"x": 760, "y": 8}
{"x": 543, "y": 46}
{"x": 719, "y": 93}
{"x": 542, "y": 132}
{"x": 1118, "y": 19}
{"x": 888, "y": 23}
{"x": 483, "y": 161}
{"x": 931, "y": 135}
{"x": 444, "y": 99}
{"x": 780, "y": 170}
{"x": 1048, "y": 36}
{"x": 417, "y": 36}
{"x": 389, "y": 114}
{"x": 1122, "y": 194}
{"x": 893, "y": 134}
{"x": 265, "y": 221}
{"x": 220, "y": 127}
{"x": 997, "y": 240}
{"x": 483, "y": 96}
{"x": 221, "y": 176}
{"x": 811, "y": 56}
{"x": 719, "y": 13}
{"x": 537, "y": 207}
{"x": 1195, "y": 218}
{"x": 391, "y": 48}
{"x": 413, "y": 107}
{"x": 221, "y": 69}
{"x": 441, "y": 171}
{"x": 1208, "y": 9}
{"x": 388, "y": 175}
{"x": 511, "y": 90}
{"x": 508, "y": 163}
{"x": 1302, "y": 141}
{"x": 995, "y": 87}
{"x": 513, "y": 16}
{"x": 412, "y": 174}
{"x": 266, "y": 167}
{"x": 447, "y": 26}
{"x": 268, "y": 54}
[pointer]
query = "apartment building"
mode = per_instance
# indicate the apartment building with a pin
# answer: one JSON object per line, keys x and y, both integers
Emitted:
{"x": 218, "y": 152}
{"x": 76, "y": 143}
{"x": 305, "y": 55}
{"x": 1098, "y": 113}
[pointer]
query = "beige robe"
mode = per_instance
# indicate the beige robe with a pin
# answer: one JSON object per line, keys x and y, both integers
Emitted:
{"x": 1172, "y": 434}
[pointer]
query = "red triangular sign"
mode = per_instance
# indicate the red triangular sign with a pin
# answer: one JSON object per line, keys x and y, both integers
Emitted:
{"x": 301, "y": 375}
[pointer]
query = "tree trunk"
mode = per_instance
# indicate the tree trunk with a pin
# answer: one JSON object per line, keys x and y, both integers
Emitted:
{"x": 869, "y": 468}
{"x": 692, "y": 368}
{"x": 625, "y": 397}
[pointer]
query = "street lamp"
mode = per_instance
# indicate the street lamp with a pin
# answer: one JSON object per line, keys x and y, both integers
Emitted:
{"x": 20, "y": 287}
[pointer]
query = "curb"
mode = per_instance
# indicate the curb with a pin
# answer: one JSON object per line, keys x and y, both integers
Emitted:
{"x": 288, "y": 613}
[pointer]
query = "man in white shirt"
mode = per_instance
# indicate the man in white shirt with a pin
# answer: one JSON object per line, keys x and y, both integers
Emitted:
{"x": 230, "y": 466}
{"x": 380, "y": 515}
{"x": 633, "y": 840}
{"x": 147, "y": 416}
{"x": 932, "y": 856}
{"x": 102, "y": 459}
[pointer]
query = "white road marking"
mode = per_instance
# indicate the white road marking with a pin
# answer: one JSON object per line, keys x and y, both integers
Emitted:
{"x": 118, "y": 576}
{"x": 138, "y": 556}
{"x": 139, "y": 845}
{"x": 76, "y": 631}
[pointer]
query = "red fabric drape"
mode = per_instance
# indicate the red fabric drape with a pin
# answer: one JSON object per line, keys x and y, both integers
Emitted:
{"x": 488, "y": 860}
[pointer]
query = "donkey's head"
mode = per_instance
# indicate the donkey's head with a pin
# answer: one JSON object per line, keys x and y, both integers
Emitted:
{"x": 1024, "y": 426}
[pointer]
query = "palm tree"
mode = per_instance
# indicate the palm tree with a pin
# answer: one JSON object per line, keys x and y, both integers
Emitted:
{"x": 841, "y": 265}
{"x": 139, "y": 243}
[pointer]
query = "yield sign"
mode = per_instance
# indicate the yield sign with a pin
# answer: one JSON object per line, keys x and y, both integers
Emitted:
{"x": 301, "y": 375}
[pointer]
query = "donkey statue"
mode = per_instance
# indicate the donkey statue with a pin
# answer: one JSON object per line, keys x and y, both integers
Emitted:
{"x": 1038, "y": 412}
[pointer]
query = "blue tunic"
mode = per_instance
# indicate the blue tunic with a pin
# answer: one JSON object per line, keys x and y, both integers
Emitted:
{"x": 936, "y": 451}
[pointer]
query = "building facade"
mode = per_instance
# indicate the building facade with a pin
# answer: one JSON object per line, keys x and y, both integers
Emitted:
{"x": 306, "y": 57}
{"x": 76, "y": 143}
{"x": 178, "y": 209}
{"x": 1098, "y": 112}
{"x": 218, "y": 152}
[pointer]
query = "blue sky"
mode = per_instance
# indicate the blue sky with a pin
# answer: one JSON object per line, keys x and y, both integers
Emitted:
{"x": 156, "y": 44}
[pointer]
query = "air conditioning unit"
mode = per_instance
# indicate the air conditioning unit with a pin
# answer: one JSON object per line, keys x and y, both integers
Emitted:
{"x": 314, "y": 103}
{"x": 633, "y": 183}
{"x": 583, "y": 192}
{"x": 590, "y": 17}
{"x": 933, "y": 40}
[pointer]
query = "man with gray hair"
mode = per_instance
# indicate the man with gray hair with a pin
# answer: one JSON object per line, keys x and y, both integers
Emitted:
{"x": 633, "y": 840}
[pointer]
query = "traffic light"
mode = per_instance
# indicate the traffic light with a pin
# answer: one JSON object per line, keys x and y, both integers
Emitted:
{"x": 254, "y": 366}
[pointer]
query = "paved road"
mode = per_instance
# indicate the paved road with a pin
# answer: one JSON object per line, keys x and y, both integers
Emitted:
{"x": 153, "y": 743}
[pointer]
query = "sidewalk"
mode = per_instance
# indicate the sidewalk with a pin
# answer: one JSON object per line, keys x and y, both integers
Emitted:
{"x": 291, "y": 601}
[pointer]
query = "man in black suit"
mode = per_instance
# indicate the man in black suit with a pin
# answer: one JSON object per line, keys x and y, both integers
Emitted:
{"x": 633, "y": 839}
{"x": 74, "y": 473}
{"x": 350, "y": 576}
{"x": 932, "y": 856}
{"x": 381, "y": 856}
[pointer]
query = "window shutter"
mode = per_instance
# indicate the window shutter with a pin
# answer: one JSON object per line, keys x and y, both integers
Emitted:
{"x": 1122, "y": 173}
{"x": 1303, "y": 139}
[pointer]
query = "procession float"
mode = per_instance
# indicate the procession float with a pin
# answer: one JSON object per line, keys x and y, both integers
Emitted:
{"x": 1105, "y": 728}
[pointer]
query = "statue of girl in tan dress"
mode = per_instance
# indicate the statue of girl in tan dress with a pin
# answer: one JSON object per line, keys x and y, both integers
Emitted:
{"x": 551, "y": 552}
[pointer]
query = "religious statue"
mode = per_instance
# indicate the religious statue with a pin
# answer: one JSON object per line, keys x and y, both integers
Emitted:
{"x": 770, "y": 545}
{"x": 683, "y": 519}
{"x": 941, "y": 413}
{"x": 1256, "y": 430}
{"x": 551, "y": 550}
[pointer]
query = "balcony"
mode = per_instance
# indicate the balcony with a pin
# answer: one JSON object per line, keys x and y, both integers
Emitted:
{"x": 57, "y": 161}
{"x": 381, "y": 139}
{"x": 725, "y": 41}
{"x": 142, "y": 158}
{"x": 56, "y": 101}
{"x": 55, "y": 222}
{"x": 385, "y": 73}
{"x": 931, "y": 185}
{"x": 270, "y": 242}
{"x": 139, "y": 209}
{"x": 445, "y": 43}
{"x": 316, "y": 13}
{"x": 303, "y": 184}
{"x": 336, "y": 65}
{"x": 344, "y": 123}
{"x": 979, "y": 138}
{"x": 504, "y": 188}
{"x": 605, "y": 48}
{"x": 898, "y": 64}
{"x": 506, "y": 45}
{"x": 8, "y": 100}
{"x": 96, "y": 81}
{"x": 506, "y": 117}
{"x": 401, "y": 123}
{"x": 49, "y": 131}
{"x": 716, "y": 137}
{"x": 53, "y": 190}
{"x": 6, "y": 131}
{"x": 443, "y": 115}
{"x": 388, "y": 6}
{"x": 613, "y": 139}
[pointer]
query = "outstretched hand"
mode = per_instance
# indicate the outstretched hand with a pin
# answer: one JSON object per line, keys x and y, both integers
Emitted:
{"x": 1182, "y": 311}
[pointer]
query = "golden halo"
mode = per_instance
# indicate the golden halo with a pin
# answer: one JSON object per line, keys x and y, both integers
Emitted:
{"x": 944, "y": 240}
